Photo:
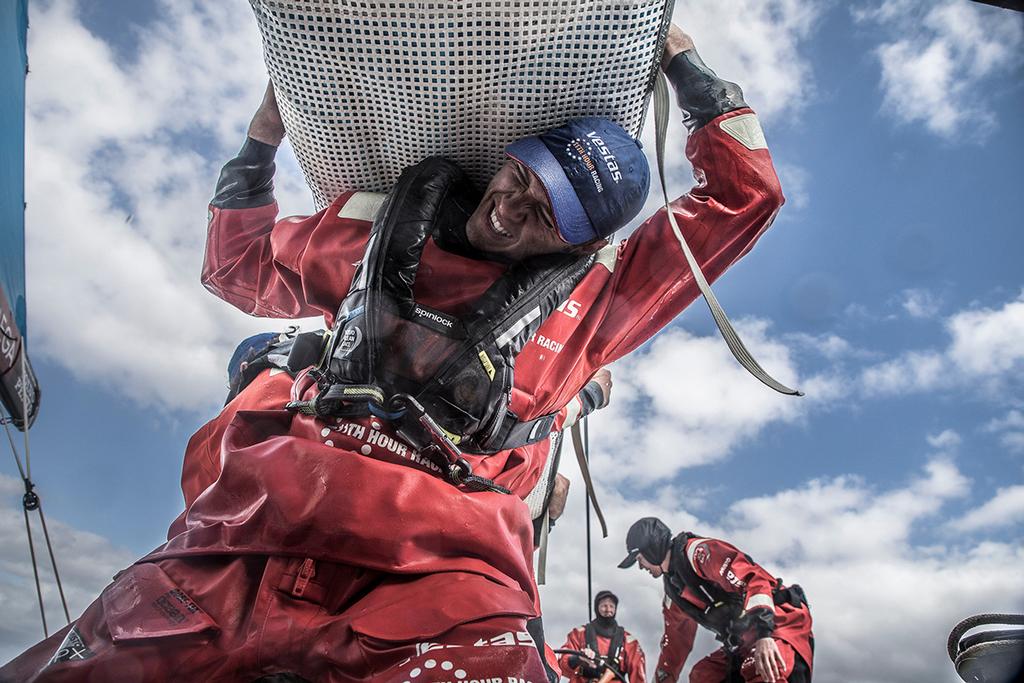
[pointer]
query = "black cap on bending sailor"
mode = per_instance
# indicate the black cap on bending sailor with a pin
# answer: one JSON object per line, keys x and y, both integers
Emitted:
{"x": 649, "y": 537}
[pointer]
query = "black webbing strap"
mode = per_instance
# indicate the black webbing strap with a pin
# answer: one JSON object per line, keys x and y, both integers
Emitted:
{"x": 515, "y": 433}
{"x": 615, "y": 646}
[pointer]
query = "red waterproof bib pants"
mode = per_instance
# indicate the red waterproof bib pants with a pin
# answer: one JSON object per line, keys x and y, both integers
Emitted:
{"x": 258, "y": 616}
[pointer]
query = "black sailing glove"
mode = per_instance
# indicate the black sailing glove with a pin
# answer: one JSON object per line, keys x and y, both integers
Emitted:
{"x": 701, "y": 94}
{"x": 247, "y": 181}
{"x": 756, "y": 624}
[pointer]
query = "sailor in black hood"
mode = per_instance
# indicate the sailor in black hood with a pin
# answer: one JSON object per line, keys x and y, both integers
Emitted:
{"x": 601, "y": 641}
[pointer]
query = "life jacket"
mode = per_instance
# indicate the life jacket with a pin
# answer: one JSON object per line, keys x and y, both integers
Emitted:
{"x": 724, "y": 612}
{"x": 615, "y": 647}
{"x": 723, "y": 608}
{"x": 444, "y": 382}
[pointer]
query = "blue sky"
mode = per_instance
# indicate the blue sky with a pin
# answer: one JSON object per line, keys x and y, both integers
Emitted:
{"x": 890, "y": 289}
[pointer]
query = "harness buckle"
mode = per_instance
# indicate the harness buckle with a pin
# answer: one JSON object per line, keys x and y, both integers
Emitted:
{"x": 447, "y": 448}
{"x": 441, "y": 449}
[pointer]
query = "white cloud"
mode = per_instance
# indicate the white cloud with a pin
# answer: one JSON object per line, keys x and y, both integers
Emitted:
{"x": 984, "y": 352}
{"x": 86, "y": 563}
{"x": 986, "y": 342}
{"x": 795, "y": 181}
{"x": 685, "y": 401}
{"x": 1010, "y": 430}
{"x": 852, "y": 545}
{"x": 941, "y": 62}
{"x": 1013, "y": 441}
{"x": 1013, "y": 420}
{"x": 920, "y": 303}
{"x": 829, "y": 345}
{"x": 912, "y": 371}
{"x": 1005, "y": 509}
{"x": 118, "y": 301}
{"x": 734, "y": 37}
{"x": 946, "y": 440}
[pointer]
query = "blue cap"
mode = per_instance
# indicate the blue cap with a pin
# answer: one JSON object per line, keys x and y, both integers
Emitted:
{"x": 595, "y": 174}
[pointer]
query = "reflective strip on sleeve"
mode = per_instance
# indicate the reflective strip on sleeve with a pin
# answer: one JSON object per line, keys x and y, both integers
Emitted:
{"x": 760, "y": 600}
{"x": 518, "y": 327}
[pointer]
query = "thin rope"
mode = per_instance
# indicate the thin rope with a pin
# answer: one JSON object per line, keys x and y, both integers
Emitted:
{"x": 31, "y": 499}
{"x": 14, "y": 449}
{"x": 53, "y": 561}
{"x": 590, "y": 581}
{"x": 35, "y": 570}
{"x": 973, "y": 622}
{"x": 27, "y": 418}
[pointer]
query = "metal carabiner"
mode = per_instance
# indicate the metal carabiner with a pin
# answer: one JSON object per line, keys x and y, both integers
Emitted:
{"x": 438, "y": 436}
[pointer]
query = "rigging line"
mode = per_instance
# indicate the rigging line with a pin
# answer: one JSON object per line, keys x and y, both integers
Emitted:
{"x": 590, "y": 584}
{"x": 53, "y": 562}
{"x": 14, "y": 449}
{"x": 27, "y": 419}
{"x": 32, "y": 500}
{"x": 35, "y": 570}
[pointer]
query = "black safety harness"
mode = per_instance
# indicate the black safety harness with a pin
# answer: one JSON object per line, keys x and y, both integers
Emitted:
{"x": 444, "y": 382}
{"x": 618, "y": 642}
{"x": 723, "y": 615}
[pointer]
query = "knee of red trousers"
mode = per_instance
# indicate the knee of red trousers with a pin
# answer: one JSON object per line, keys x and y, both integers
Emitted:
{"x": 494, "y": 650}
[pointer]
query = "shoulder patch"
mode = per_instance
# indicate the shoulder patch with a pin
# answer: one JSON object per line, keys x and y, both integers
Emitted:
{"x": 698, "y": 552}
{"x": 746, "y": 129}
{"x": 362, "y": 206}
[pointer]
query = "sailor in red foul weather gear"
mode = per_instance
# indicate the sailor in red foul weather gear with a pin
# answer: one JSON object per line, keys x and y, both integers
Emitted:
{"x": 764, "y": 626}
{"x": 603, "y": 640}
{"x": 329, "y": 548}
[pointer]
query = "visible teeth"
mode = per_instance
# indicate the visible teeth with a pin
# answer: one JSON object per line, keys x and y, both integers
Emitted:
{"x": 496, "y": 225}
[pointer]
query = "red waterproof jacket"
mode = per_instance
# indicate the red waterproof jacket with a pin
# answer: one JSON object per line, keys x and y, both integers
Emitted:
{"x": 734, "y": 572}
{"x": 260, "y": 480}
{"x": 631, "y": 659}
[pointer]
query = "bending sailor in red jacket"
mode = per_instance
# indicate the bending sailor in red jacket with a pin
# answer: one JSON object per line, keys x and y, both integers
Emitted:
{"x": 764, "y": 626}
{"x": 329, "y": 549}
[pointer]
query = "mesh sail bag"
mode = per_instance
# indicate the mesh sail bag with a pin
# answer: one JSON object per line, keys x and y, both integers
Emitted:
{"x": 367, "y": 88}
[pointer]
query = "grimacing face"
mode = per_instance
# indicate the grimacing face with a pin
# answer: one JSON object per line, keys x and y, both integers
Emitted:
{"x": 514, "y": 219}
{"x": 606, "y": 608}
{"x": 652, "y": 569}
